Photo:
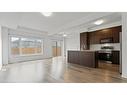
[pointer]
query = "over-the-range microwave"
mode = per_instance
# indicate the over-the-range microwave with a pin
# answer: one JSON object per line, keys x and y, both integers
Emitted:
{"x": 106, "y": 40}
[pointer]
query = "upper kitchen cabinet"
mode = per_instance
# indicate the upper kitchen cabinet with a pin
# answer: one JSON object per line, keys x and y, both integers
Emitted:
{"x": 116, "y": 34}
{"x": 92, "y": 38}
{"x": 84, "y": 41}
{"x": 95, "y": 37}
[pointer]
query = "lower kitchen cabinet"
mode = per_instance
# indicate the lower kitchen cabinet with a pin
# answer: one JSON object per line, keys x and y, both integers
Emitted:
{"x": 115, "y": 57}
{"x": 84, "y": 58}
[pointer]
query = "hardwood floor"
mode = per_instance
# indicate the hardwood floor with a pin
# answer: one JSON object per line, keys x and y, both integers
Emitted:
{"x": 56, "y": 70}
{"x": 108, "y": 66}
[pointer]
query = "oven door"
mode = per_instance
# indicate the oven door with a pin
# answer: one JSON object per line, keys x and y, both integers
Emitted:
{"x": 105, "y": 56}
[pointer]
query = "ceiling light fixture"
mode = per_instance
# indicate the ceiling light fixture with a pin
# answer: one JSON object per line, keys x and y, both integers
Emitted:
{"x": 64, "y": 35}
{"x": 47, "y": 14}
{"x": 99, "y": 22}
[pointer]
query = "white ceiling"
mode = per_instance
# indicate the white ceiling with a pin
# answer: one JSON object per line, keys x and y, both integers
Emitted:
{"x": 58, "y": 22}
{"x": 49, "y": 24}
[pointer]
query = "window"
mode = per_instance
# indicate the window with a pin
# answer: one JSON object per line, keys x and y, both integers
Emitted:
{"x": 15, "y": 49}
{"x": 25, "y": 46}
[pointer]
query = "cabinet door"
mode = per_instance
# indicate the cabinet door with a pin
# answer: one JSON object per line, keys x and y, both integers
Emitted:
{"x": 92, "y": 37}
{"x": 73, "y": 57}
{"x": 97, "y": 37}
{"x": 103, "y": 34}
{"x": 115, "y": 57}
{"x": 116, "y": 31}
{"x": 84, "y": 41}
{"x": 86, "y": 59}
{"x": 70, "y": 56}
{"x": 81, "y": 41}
{"x": 77, "y": 58}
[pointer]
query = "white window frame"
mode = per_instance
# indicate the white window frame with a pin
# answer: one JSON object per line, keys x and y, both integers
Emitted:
{"x": 21, "y": 55}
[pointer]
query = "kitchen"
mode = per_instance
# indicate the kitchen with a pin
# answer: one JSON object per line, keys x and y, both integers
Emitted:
{"x": 105, "y": 45}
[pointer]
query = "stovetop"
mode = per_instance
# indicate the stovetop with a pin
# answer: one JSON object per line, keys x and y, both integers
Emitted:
{"x": 105, "y": 51}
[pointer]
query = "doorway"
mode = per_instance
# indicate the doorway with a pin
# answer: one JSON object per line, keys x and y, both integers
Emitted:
{"x": 56, "y": 48}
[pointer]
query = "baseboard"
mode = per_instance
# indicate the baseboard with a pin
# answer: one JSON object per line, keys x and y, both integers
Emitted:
{"x": 124, "y": 76}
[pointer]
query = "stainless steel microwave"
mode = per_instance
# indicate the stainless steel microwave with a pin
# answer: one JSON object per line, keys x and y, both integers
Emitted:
{"x": 106, "y": 40}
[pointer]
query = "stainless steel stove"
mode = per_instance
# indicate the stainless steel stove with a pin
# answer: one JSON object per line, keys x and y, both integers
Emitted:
{"x": 105, "y": 53}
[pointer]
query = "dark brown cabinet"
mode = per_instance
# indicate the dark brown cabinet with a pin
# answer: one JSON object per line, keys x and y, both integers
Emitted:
{"x": 84, "y": 58}
{"x": 115, "y": 57}
{"x": 73, "y": 57}
{"x": 94, "y": 37}
{"x": 84, "y": 41}
{"x": 113, "y": 32}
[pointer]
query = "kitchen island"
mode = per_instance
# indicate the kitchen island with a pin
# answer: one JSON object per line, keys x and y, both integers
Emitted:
{"x": 86, "y": 58}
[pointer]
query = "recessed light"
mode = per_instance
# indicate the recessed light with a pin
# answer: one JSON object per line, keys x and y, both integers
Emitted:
{"x": 46, "y": 13}
{"x": 64, "y": 35}
{"x": 98, "y": 22}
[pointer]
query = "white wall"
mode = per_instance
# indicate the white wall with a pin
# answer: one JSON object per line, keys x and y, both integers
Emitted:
{"x": 6, "y": 58}
{"x": 5, "y": 45}
{"x": 0, "y": 48}
{"x": 73, "y": 42}
{"x": 124, "y": 45}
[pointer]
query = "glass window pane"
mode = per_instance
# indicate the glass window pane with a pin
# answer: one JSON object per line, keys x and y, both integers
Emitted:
{"x": 15, "y": 49}
{"x": 26, "y": 46}
{"x": 39, "y": 46}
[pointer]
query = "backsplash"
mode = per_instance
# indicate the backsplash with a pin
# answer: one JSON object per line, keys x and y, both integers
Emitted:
{"x": 116, "y": 46}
